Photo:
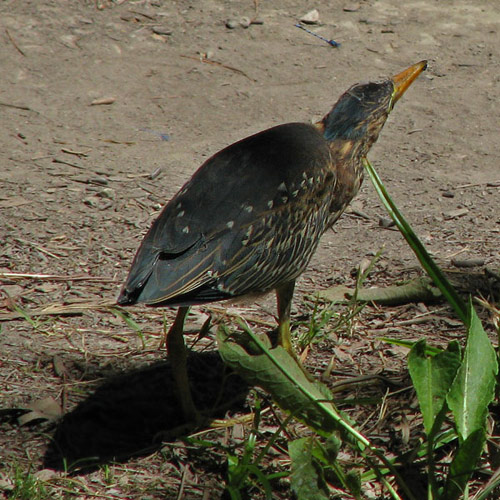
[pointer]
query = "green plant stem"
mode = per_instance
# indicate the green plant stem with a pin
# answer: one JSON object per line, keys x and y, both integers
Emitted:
{"x": 423, "y": 256}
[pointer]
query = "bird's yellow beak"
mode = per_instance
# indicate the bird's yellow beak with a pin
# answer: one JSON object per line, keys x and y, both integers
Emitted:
{"x": 404, "y": 79}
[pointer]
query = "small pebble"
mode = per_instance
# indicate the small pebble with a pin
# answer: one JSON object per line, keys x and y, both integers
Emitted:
{"x": 448, "y": 194}
{"x": 101, "y": 181}
{"x": 91, "y": 201}
{"x": 245, "y": 22}
{"x": 107, "y": 193}
{"x": 312, "y": 17}
{"x": 161, "y": 30}
{"x": 232, "y": 24}
{"x": 385, "y": 222}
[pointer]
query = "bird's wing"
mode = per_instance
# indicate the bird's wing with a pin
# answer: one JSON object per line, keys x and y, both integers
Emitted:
{"x": 197, "y": 239}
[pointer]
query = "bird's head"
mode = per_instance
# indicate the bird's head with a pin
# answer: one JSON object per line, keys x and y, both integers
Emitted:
{"x": 360, "y": 113}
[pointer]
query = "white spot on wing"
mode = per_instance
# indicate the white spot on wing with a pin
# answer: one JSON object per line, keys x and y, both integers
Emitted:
{"x": 186, "y": 230}
{"x": 181, "y": 213}
{"x": 230, "y": 224}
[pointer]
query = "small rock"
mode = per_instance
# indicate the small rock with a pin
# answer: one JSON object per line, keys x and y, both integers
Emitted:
{"x": 448, "y": 194}
{"x": 161, "y": 30}
{"x": 352, "y": 7}
{"x": 100, "y": 181}
{"x": 91, "y": 201}
{"x": 107, "y": 193}
{"x": 312, "y": 17}
{"x": 232, "y": 24}
{"x": 385, "y": 222}
{"x": 245, "y": 22}
{"x": 70, "y": 41}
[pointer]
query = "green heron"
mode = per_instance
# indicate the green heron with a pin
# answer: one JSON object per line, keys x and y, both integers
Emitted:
{"x": 251, "y": 217}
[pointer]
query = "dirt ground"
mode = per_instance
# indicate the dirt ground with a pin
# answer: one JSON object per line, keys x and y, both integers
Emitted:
{"x": 108, "y": 107}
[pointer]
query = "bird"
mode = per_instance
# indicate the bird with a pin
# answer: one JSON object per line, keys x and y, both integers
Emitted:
{"x": 251, "y": 217}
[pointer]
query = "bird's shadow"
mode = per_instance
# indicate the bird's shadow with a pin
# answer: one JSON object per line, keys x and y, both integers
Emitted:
{"x": 132, "y": 413}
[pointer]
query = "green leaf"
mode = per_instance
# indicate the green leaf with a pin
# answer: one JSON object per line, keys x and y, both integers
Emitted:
{"x": 432, "y": 377}
{"x": 306, "y": 481}
{"x": 429, "y": 350}
{"x": 279, "y": 374}
{"x": 463, "y": 465}
{"x": 474, "y": 386}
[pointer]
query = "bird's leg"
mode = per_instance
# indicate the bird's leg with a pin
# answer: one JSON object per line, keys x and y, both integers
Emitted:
{"x": 284, "y": 296}
{"x": 177, "y": 355}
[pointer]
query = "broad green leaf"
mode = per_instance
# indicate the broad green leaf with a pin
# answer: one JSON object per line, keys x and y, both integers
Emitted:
{"x": 463, "y": 465}
{"x": 306, "y": 480}
{"x": 474, "y": 386}
{"x": 432, "y": 377}
{"x": 278, "y": 373}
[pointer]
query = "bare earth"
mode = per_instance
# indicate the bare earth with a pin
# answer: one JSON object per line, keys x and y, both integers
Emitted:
{"x": 107, "y": 108}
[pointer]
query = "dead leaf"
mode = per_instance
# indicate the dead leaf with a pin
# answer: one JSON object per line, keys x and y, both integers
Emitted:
{"x": 43, "y": 409}
{"x": 45, "y": 474}
{"x": 59, "y": 367}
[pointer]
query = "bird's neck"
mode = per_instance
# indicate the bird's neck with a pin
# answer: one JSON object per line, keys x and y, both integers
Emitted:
{"x": 346, "y": 162}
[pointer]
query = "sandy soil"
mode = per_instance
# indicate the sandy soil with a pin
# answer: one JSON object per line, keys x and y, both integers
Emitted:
{"x": 108, "y": 107}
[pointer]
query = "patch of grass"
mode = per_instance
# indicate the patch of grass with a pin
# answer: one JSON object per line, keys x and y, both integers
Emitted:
{"x": 25, "y": 486}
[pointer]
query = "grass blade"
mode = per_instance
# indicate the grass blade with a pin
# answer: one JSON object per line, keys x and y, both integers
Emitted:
{"x": 423, "y": 256}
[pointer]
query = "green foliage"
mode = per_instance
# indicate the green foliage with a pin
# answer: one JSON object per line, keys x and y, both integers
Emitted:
{"x": 241, "y": 468}
{"x": 119, "y": 312}
{"x": 307, "y": 478}
{"x": 243, "y": 471}
{"x": 279, "y": 374}
{"x": 432, "y": 377}
{"x": 27, "y": 487}
{"x": 448, "y": 383}
{"x": 465, "y": 385}
{"x": 474, "y": 387}
{"x": 463, "y": 465}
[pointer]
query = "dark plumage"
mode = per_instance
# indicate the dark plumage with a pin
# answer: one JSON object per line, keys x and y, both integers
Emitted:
{"x": 251, "y": 217}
